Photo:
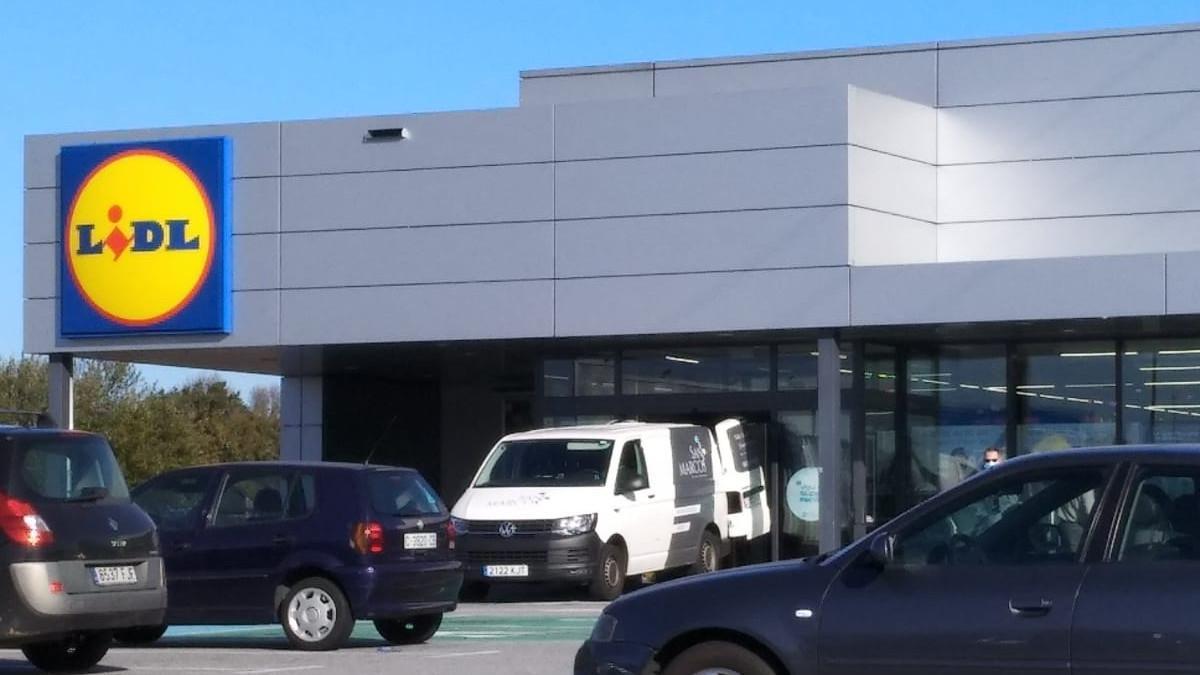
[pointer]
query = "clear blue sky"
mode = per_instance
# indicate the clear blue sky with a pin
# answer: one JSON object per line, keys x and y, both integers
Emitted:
{"x": 86, "y": 66}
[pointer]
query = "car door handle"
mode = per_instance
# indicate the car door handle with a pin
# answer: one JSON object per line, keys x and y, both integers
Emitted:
{"x": 1030, "y": 607}
{"x": 283, "y": 540}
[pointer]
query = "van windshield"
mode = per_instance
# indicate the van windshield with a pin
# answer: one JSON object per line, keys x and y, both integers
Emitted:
{"x": 547, "y": 463}
{"x": 66, "y": 467}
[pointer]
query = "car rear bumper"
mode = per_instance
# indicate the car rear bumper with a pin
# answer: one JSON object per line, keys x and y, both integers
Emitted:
{"x": 547, "y": 557}
{"x": 399, "y": 590}
{"x": 614, "y": 658}
{"x": 40, "y": 611}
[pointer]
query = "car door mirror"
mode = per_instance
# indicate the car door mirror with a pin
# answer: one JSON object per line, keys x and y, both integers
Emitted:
{"x": 882, "y": 550}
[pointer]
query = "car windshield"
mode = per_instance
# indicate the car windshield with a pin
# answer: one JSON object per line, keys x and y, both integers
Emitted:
{"x": 403, "y": 493}
{"x": 67, "y": 467}
{"x": 547, "y": 463}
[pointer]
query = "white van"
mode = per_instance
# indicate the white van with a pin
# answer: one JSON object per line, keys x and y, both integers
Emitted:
{"x": 594, "y": 504}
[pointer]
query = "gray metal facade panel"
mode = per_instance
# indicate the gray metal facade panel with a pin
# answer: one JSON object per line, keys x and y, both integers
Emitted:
{"x": 892, "y": 184}
{"x": 1183, "y": 283}
{"x": 1112, "y": 66}
{"x": 41, "y": 216}
{"x": 731, "y": 181}
{"x": 885, "y": 239}
{"x": 704, "y": 123}
{"x": 1064, "y": 237}
{"x": 892, "y": 125}
{"x": 255, "y": 262}
{"x": 512, "y": 309}
{"x": 41, "y": 271}
{"x": 420, "y": 197}
{"x": 685, "y": 303}
{"x": 255, "y": 323}
{"x": 458, "y": 253}
{"x": 256, "y": 205}
{"x": 255, "y": 148}
{"x": 702, "y": 242}
{"x": 910, "y": 75}
{"x": 638, "y": 83}
{"x": 1074, "y": 128}
{"x": 1009, "y": 290}
{"x": 1069, "y": 187}
{"x": 468, "y": 138}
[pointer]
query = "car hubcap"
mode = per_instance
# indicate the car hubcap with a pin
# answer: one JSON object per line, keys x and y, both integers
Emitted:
{"x": 710, "y": 564}
{"x": 311, "y": 615}
{"x": 611, "y": 572}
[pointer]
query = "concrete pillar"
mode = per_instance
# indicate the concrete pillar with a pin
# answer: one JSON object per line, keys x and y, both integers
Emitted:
{"x": 829, "y": 442}
{"x": 302, "y": 401}
{"x": 61, "y": 405}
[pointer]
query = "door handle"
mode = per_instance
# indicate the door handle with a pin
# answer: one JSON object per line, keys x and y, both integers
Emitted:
{"x": 649, "y": 496}
{"x": 283, "y": 540}
{"x": 1029, "y": 607}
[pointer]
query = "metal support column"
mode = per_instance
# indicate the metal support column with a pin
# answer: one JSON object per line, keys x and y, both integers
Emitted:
{"x": 61, "y": 405}
{"x": 829, "y": 442}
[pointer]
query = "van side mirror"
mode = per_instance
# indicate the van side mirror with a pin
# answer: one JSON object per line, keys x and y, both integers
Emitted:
{"x": 631, "y": 483}
{"x": 882, "y": 550}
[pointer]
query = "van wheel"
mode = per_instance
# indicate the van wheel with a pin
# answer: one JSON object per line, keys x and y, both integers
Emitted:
{"x": 609, "y": 578}
{"x": 316, "y": 615}
{"x": 74, "y": 653}
{"x": 141, "y": 635}
{"x": 708, "y": 557}
{"x": 411, "y": 631}
{"x": 474, "y": 591}
{"x": 718, "y": 657}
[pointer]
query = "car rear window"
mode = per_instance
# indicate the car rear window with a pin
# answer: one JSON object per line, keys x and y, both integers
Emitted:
{"x": 69, "y": 467}
{"x": 402, "y": 493}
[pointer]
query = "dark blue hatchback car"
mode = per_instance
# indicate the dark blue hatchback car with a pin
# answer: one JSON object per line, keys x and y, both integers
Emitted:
{"x": 313, "y": 546}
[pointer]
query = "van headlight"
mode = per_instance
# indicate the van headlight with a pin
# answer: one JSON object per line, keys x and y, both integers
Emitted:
{"x": 574, "y": 525}
{"x": 460, "y": 525}
{"x": 605, "y": 628}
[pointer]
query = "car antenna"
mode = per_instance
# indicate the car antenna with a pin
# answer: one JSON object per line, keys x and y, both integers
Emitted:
{"x": 379, "y": 441}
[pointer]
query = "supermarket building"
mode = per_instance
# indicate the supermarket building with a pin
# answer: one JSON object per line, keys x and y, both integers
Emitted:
{"x": 884, "y": 260}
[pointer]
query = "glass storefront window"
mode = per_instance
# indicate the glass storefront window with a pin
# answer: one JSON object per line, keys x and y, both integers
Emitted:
{"x": 1066, "y": 395}
{"x": 696, "y": 370}
{"x": 583, "y": 376}
{"x": 957, "y": 401}
{"x": 1161, "y": 390}
{"x": 797, "y": 365}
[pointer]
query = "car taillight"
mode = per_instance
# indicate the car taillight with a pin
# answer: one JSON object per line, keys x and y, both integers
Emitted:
{"x": 368, "y": 538}
{"x": 22, "y": 523}
{"x": 451, "y": 534}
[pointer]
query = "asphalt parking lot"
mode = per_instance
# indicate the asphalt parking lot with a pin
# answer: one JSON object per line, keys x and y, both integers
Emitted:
{"x": 526, "y": 638}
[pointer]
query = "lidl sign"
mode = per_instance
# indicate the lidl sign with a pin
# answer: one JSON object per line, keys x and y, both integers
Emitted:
{"x": 145, "y": 238}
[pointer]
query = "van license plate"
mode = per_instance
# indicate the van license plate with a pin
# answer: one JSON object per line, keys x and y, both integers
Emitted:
{"x": 420, "y": 540}
{"x": 506, "y": 570}
{"x": 114, "y": 576}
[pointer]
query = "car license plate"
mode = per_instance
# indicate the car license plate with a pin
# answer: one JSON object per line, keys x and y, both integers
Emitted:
{"x": 506, "y": 570}
{"x": 114, "y": 576}
{"x": 420, "y": 540}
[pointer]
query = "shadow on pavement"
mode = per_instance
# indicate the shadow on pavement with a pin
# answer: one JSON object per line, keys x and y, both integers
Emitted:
{"x": 23, "y": 666}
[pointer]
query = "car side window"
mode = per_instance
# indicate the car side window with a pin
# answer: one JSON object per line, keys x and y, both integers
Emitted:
{"x": 1023, "y": 520}
{"x": 174, "y": 502}
{"x": 632, "y": 466}
{"x": 251, "y": 499}
{"x": 1162, "y": 521}
{"x": 302, "y": 497}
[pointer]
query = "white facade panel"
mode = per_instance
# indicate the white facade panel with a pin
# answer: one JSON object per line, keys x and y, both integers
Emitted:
{"x": 892, "y": 184}
{"x": 892, "y": 125}
{"x": 885, "y": 239}
{"x": 633, "y": 83}
{"x": 1067, "y": 237}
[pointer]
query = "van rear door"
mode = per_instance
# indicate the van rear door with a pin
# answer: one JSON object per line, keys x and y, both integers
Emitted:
{"x": 742, "y": 478}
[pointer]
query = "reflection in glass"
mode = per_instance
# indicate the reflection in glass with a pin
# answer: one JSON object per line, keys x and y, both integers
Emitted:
{"x": 1066, "y": 395}
{"x": 696, "y": 370}
{"x": 1161, "y": 392}
{"x": 957, "y": 408}
{"x": 583, "y": 376}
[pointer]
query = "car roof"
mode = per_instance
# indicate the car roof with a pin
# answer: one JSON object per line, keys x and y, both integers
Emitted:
{"x": 296, "y": 464}
{"x": 1184, "y": 453}
{"x": 613, "y": 431}
{"x": 18, "y": 430}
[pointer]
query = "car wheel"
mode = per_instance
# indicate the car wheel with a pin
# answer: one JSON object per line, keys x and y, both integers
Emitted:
{"x": 411, "y": 631}
{"x": 708, "y": 558}
{"x": 474, "y": 591}
{"x": 609, "y": 578}
{"x": 724, "y": 658}
{"x": 141, "y": 635}
{"x": 74, "y": 653}
{"x": 316, "y": 615}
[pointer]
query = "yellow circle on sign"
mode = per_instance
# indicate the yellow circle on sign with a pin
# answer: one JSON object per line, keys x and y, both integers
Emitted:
{"x": 140, "y": 237}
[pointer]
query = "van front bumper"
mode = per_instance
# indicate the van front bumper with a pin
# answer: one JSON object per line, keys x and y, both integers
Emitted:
{"x": 544, "y": 557}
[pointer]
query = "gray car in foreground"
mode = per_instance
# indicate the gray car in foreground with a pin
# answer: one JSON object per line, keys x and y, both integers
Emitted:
{"x": 1080, "y": 561}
